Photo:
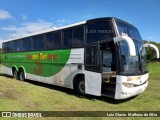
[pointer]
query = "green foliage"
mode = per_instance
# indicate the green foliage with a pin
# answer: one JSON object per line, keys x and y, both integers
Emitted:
{"x": 151, "y": 54}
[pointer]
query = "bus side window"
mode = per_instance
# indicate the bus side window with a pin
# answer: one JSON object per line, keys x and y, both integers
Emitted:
{"x": 49, "y": 40}
{"x": 67, "y": 38}
{"x": 26, "y": 44}
{"x": 57, "y": 39}
{"x": 3, "y": 47}
{"x": 10, "y": 46}
{"x": 17, "y": 45}
{"x": 78, "y": 36}
{"x": 35, "y": 42}
{"x": 38, "y": 42}
{"x": 41, "y": 42}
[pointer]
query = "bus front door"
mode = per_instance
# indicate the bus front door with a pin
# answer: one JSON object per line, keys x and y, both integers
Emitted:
{"x": 93, "y": 78}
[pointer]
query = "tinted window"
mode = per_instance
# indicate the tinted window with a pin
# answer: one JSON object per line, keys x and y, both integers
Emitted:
{"x": 128, "y": 30}
{"x": 26, "y": 44}
{"x": 4, "y": 47}
{"x": 78, "y": 36}
{"x": 38, "y": 42}
{"x": 67, "y": 38}
{"x": 57, "y": 39}
{"x": 92, "y": 58}
{"x": 35, "y": 42}
{"x": 7, "y": 47}
{"x": 41, "y": 42}
{"x": 49, "y": 40}
{"x": 17, "y": 45}
{"x": 98, "y": 31}
{"x": 10, "y": 46}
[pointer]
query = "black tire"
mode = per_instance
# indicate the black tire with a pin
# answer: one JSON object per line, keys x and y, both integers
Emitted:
{"x": 21, "y": 75}
{"x": 15, "y": 74}
{"x": 80, "y": 86}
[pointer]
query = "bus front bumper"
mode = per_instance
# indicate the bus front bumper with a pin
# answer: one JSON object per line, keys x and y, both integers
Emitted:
{"x": 123, "y": 92}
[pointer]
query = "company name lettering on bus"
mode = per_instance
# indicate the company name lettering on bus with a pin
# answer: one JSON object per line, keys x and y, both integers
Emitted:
{"x": 133, "y": 78}
{"x": 98, "y": 31}
{"x": 41, "y": 56}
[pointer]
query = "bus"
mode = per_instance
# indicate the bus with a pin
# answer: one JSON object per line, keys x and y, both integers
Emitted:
{"x": 102, "y": 57}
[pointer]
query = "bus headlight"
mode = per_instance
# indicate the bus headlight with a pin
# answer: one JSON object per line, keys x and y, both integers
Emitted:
{"x": 129, "y": 85}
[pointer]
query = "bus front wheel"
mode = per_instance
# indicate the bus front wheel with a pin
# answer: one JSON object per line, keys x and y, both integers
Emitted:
{"x": 21, "y": 75}
{"x": 80, "y": 86}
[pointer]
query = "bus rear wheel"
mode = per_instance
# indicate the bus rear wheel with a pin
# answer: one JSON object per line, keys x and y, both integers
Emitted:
{"x": 80, "y": 86}
{"x": 21, "y": 75}
{"x": 15, "y": 74}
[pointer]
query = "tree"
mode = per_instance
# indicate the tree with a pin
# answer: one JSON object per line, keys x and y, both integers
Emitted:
{"x": 150, "y": 52}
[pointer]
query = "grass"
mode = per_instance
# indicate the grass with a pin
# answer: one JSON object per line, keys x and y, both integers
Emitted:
{"x": 33, "y": 96}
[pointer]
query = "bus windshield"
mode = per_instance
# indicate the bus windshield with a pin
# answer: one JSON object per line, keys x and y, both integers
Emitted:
{"x": 132, "y": 65}
{"x": 128, "y": 30}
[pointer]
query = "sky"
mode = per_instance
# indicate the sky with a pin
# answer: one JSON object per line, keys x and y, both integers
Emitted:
{"x": 21, "y": 17}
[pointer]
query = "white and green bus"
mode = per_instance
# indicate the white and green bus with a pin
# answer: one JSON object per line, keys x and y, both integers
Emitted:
{"x": 101, "y": 57}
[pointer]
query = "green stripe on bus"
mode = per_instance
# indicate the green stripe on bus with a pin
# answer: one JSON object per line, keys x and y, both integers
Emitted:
{"x": 41, "y": 63}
